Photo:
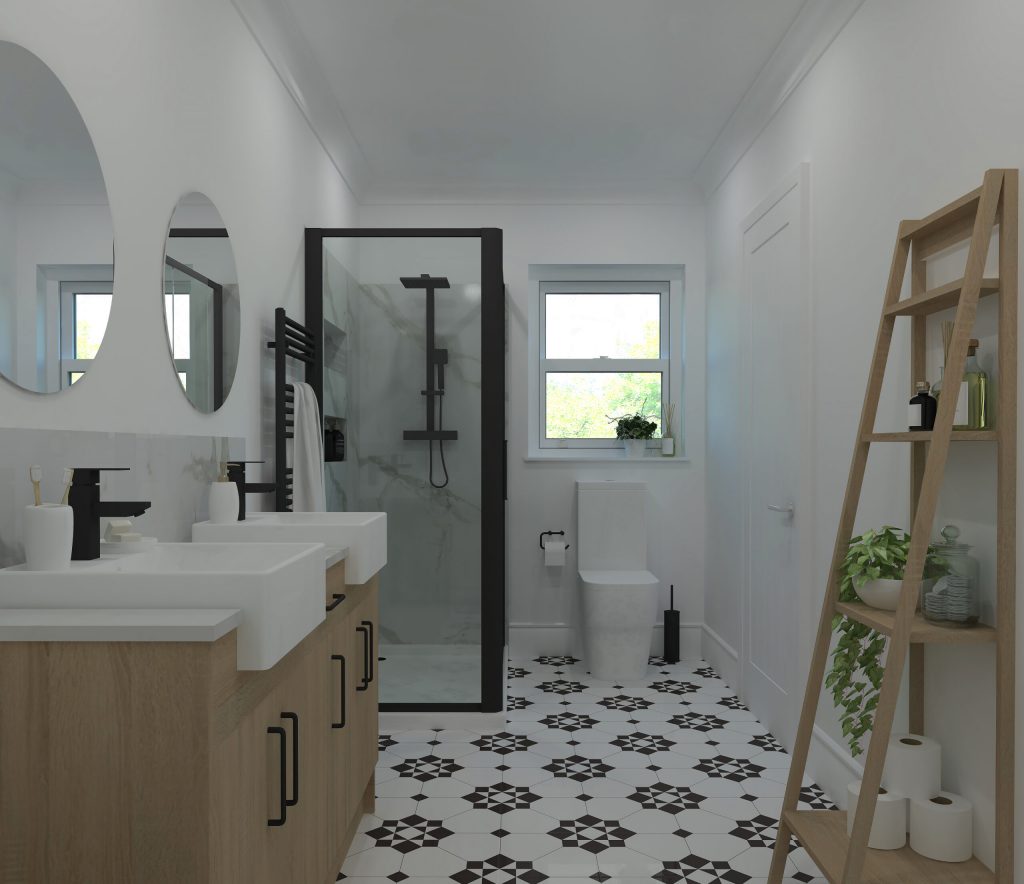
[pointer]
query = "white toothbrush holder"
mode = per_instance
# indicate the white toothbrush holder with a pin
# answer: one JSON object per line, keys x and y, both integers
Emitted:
{"x": 223, "y": 503}
{"x": 49, "y": 532}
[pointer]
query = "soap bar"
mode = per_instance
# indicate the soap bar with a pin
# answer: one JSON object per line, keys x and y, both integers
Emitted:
{"x": 116, "y": 528}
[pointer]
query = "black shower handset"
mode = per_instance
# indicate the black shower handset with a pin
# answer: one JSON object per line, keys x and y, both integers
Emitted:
{"x": 441, "y": 360}
{"x": 437, "y": 358}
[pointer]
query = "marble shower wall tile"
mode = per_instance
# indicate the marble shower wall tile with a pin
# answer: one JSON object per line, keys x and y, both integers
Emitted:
{"x": 173, "y": 472}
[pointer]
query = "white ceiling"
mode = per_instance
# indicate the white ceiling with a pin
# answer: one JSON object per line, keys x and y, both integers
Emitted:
{"x": 521, "y": 98}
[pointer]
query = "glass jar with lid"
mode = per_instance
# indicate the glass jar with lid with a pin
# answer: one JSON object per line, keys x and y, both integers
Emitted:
{"x": 952, "y": 600}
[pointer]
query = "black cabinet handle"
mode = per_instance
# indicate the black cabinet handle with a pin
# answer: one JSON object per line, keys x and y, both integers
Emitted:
{"x": 339, "y": 597}
{"x": 365, "y": 679}
{"x": 280, "y": 732}
{"x": 337, "y": 725}
{"x": 370, "y": 655}
{"x": 294, "y": 719}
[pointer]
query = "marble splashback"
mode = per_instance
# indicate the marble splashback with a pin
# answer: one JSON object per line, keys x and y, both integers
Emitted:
{"x": 173, "y": 472}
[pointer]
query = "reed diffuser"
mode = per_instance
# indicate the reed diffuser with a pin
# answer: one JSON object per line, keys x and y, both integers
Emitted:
{"x": 668, "y": 442}
{"x": 960, "y": 417}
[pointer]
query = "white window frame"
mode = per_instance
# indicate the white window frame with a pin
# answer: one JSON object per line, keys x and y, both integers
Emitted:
{"x": 68, "y": 332}
{"x": 603, "y": 365}
{"x": 666, "y": 280}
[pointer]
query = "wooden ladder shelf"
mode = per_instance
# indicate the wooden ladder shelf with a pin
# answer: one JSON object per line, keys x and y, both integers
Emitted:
{"x": 823, "y": 833}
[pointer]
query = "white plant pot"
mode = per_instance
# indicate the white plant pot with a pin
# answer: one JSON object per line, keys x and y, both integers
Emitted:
{"x": 634, "y": 447}
{"x": 885, "y": 594}
{"x": 882, "y": 594}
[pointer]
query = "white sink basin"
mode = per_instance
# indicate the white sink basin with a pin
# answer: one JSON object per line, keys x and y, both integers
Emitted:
{"x": 278, "y": 587}
{"x": 365, "y": 535}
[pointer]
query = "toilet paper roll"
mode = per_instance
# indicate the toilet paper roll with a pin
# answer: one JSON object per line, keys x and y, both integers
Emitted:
{"x": 554, "y": 552}
{"x": 889, "y": 827}
{"x": 942, "y": 827}
{"x": 913, "y": 766}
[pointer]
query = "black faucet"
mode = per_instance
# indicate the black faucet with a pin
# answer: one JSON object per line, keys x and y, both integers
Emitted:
{"x": 236, "y": 474}
{"x": 84, "y": 498}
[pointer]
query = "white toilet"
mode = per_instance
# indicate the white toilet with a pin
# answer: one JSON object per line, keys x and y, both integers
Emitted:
{"x": 619, "y": 596}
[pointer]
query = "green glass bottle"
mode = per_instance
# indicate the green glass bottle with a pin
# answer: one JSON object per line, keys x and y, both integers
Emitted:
{"x": 977, "y": 391}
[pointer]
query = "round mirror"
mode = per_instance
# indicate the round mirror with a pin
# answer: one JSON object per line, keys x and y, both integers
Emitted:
{"x": 56, "y": 232}
{"x": 201, "y": 302}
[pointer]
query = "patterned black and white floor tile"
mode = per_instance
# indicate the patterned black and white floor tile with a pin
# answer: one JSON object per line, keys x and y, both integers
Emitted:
{"x": 670, "y": 780}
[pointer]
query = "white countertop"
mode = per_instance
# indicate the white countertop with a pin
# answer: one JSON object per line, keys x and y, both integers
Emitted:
{"x": 333, "y": 555}
{"x": 117, "y": 624}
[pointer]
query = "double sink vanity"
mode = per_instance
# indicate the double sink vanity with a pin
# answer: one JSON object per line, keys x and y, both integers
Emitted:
{"x": 200, "y": 712}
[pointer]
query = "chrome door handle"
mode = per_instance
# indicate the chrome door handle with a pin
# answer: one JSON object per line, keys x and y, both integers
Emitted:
{"x": 788, "y": 510}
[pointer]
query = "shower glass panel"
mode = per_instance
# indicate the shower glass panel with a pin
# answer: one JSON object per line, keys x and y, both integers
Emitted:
{"x": 403, "y": 331}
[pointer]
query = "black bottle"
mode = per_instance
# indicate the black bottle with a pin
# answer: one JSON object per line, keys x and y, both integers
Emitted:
{"x": 922, "y": 408}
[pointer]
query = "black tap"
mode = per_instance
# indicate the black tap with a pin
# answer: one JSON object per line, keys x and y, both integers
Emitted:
{"x": 236, "y": 474}
{"x": 84, "y": 498}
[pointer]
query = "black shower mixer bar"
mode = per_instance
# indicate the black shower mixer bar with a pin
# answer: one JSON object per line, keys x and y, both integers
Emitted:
{"x": 437, "y": 359}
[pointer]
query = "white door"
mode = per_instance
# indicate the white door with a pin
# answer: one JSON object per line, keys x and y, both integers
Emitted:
{"x": 777, "y": 388}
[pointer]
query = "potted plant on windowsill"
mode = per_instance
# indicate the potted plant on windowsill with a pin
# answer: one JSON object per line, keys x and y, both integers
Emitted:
{"x": 634, "y": 430}
{"x": 872, "y": 572}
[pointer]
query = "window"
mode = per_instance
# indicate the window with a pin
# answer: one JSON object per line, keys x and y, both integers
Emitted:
{"x": 84, "y": 313}
{"x": 605, "y": 350}
{"x": 177, "y": 315}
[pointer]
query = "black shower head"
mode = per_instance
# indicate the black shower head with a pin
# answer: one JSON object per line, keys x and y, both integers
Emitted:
{"x": 426, "y": 281}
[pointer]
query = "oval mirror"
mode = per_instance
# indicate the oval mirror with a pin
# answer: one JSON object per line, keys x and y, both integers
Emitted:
{"x": 56, "y": 232}
{"x": 201, "y": 308}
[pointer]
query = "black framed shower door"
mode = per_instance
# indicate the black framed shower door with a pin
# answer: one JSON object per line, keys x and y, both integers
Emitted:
{"x": 491, "y": 433}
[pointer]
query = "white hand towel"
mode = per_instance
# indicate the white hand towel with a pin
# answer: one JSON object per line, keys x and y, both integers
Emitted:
{"x": 307, "y": 453}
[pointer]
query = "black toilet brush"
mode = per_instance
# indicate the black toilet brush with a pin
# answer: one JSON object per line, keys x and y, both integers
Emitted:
{"x": 671, "y": 653}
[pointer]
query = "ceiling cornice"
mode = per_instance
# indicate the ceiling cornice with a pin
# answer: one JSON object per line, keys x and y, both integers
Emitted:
{"x": 817, "y": 24}
{"x": 278, "y": 35}
{"x": 290, "y": 55}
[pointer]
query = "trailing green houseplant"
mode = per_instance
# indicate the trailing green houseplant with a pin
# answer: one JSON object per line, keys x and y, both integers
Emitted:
{"x": 856, "y": 674}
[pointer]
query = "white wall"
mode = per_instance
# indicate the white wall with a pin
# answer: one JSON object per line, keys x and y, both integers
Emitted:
{"x": 542, "y": 604}
{"x": 905, "y": 111}
{"x": 178, "y": 97}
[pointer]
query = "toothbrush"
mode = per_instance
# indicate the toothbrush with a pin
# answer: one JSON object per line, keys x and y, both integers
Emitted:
{"x": 35, "y": 473}
{"x": 69, "y": 474}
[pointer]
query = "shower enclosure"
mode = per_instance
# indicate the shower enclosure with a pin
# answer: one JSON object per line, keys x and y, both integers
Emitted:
{"x": 412, "y": 392}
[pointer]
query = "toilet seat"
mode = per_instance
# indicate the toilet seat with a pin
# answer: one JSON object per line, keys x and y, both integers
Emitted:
{"x": 618, "y": 578}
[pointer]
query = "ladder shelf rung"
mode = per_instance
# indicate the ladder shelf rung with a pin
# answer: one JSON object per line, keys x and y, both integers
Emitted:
{"x": 926, "y": 436}
{"x": 823, "y": 835}
{"x": 940, "y": 298}
{"x": 955, "y": 211}
{"x": 921, "y": 631}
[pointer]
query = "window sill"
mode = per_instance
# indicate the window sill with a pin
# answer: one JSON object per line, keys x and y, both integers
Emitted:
{"x": 599, "y": 455}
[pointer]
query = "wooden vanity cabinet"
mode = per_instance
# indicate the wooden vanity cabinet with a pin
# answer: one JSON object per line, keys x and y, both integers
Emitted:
{"x": 366, "y": 727}
{"x": 158, "y": 763}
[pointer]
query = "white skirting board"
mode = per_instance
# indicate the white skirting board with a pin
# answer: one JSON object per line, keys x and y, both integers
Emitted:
{"x": 528, "y": 640}
{"x": 721, "y": 656}
{"x": 831, "y": 766}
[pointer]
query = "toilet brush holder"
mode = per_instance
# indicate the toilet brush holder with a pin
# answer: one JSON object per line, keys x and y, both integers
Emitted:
{"x": 671, "y": 644}
{"x": 49, "y": 533}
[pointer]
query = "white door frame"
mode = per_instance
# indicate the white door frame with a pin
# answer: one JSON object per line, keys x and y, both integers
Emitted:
{"x": 808, "y": 608}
